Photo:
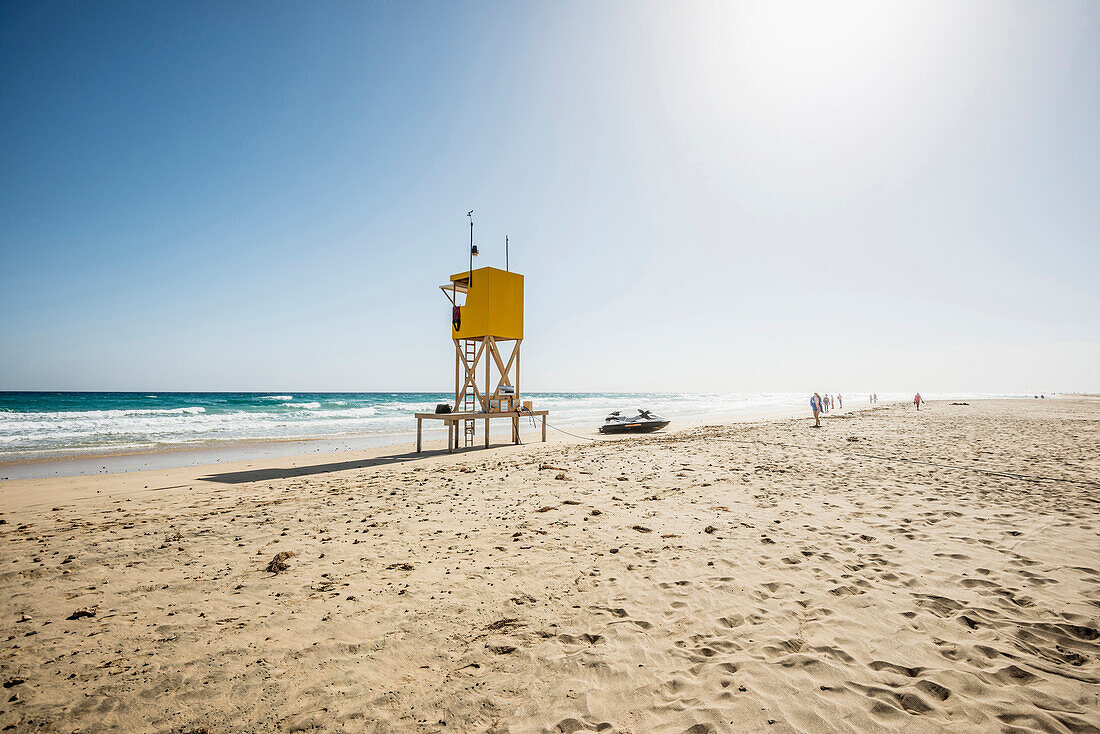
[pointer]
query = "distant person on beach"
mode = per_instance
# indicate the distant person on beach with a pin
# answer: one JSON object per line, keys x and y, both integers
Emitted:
{"x": 825, "y": 404}
{"x": 840, "y": 401}
{"x": 917, "y": 400}
{"x": 817, "y": 408}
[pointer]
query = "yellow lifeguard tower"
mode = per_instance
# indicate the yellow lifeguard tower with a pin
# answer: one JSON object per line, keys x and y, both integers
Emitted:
{"x": 486, "y": 315}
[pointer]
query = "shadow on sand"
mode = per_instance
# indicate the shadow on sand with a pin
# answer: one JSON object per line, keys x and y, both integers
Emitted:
{"x": 262, "y": 475}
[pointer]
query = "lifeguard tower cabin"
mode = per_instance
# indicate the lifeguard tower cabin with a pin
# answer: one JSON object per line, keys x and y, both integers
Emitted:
{"x": 486, "y": 325}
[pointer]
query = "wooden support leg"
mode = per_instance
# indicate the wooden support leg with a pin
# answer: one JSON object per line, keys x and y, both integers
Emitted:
{"x": 490, "y": 344}
{"x": 515, "y": 429}
{"x": 450, "y": 440}
{"x": 419, "y": 427}
{"x": 486, "y": 433}
{"x": 544, "y": 429}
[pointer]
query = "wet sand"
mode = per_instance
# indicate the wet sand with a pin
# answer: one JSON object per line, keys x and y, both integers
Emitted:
{"x": 746, "y": 577}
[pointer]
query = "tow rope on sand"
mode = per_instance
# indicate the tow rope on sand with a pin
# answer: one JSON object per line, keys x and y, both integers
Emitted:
{"x": 961, "y": 467}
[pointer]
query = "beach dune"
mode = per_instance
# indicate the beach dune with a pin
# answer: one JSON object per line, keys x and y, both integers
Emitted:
{"x": 892, "y": 571}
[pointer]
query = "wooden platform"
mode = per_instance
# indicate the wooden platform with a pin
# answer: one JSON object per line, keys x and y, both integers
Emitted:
{"x": 452, "y": 420}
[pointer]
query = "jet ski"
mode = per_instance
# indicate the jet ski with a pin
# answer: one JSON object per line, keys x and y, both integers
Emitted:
{"x": 643, "y": 422}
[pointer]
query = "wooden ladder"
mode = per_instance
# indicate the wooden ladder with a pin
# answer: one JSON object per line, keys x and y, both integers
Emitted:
{"x": 469, "y": 347}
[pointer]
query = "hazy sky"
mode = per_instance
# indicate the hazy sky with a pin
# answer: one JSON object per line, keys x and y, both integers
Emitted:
{"x": 702, "y": 196}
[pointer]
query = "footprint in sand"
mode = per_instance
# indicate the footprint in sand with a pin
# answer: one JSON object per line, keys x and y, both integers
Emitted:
{"x": 732, "y": 621}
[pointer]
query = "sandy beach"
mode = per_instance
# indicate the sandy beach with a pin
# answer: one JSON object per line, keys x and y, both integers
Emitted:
{"x": 756, "y": 576}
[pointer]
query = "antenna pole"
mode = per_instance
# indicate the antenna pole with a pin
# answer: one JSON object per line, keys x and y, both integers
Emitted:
{"x": 506, "y": 254}
{"x": 470, "y": 279}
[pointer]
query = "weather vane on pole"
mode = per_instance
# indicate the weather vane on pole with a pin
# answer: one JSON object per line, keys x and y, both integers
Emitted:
{"x": 473, "y": 247}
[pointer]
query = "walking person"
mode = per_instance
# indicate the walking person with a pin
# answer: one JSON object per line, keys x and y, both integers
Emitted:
{"x": 917, "y": 400}
{"x": 817, "y": 408}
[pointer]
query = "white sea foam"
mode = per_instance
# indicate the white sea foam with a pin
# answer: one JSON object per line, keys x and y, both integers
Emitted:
{"x": 307, "y": 406}
{"x": 351, "y": 412}
{"x": 102, "y": 414}
{"x": 276, "y": 397}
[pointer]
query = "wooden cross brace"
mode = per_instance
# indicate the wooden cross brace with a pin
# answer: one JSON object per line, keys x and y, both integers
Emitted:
{"x": 467, "y": 369}
{"x": 505, "y": 369}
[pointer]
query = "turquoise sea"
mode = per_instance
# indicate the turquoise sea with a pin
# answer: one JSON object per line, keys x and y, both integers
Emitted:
{"x": 53, "y": 424}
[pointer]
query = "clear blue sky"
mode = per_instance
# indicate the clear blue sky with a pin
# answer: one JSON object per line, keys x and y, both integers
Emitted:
{"x": 702, "y": 196}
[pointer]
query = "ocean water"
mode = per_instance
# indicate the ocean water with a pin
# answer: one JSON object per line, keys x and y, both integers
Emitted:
{"x": 36, "y": 425}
